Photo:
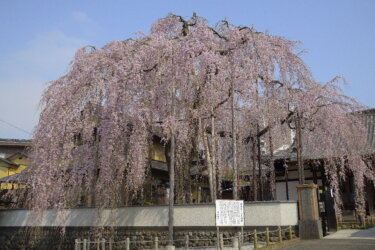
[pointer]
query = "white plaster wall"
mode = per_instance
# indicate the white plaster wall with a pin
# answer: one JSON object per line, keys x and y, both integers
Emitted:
{"x": 288, "y": 214}
{"x": 195, "y": 216}
{"x": 256, "y": 214}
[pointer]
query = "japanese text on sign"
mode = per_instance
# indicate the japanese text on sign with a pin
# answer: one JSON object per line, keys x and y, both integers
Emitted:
{"x": 229, "y": 213}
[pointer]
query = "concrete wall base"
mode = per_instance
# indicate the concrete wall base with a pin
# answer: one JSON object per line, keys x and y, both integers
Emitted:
{"x": 310, "y": 229}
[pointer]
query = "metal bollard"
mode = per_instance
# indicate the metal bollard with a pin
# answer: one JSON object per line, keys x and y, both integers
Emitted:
{"x": 280, "y": 237}
{"x": 255, "y": 239}
{"x": 156, "y": 243}
{"x": 127, "y": 244}
{"x": 186, "y": 242}
{"x": 267, "y": 237}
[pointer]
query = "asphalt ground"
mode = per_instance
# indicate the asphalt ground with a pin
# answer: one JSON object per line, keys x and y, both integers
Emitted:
{"x": 343, "y": 239}
{"x": 333, "y": 244}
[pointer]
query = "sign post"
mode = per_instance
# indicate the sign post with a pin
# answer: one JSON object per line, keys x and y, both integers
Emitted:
{"x": 230, "y": 213}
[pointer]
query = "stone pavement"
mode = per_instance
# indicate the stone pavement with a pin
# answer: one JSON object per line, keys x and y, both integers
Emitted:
{"x": 343, "y": 239}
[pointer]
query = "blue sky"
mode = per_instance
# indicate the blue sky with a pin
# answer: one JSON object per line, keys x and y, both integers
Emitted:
{"x": 39, "y": 38}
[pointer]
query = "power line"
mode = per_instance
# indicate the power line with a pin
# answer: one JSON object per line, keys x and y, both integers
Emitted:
{"x": 14, "y": 126}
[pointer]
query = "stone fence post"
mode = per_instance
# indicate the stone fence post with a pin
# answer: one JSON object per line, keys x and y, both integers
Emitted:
{"x": 310, "y": 226}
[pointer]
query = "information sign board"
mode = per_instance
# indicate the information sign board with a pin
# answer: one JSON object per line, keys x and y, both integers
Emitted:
{"x": 229, "y": 213}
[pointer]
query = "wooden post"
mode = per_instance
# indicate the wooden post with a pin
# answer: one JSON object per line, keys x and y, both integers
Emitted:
{"x": 110, "y": 243}
{"x": 186, "y": 242}
{"x": 290, "y": 232}
{"x": 241, "y": 236}
{"x": 255, "y": 239}
{"x": 218, "y": 238}
{"x": 98, "y": 245}
{"x": 364, "y": 221}
{"x": 103, "y": 244}
{"x": 84, "y": 244}
{"x": 267, "y": 237}
{"x": 76, "y": 244}
{"x": 235, "y": 242}
{"x": 156, "y": 246}
{"x": 280, "y": 237}
{"x": 127, "y": 244}
{"x": 239, "y": 240}
{"x": 221, "y": 242}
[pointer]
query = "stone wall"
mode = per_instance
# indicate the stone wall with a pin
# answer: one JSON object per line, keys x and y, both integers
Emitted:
{"x": 54, "y": 238}
{"x": 23, "y": 229}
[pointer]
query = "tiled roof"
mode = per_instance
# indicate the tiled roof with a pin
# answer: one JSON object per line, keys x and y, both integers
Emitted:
{"x": 21, "y": 177}
{"x": 368, "y": 115}
{"x": 369, "y": 119}
{"x": 16, "y": 154}
{"x": 15, "y": 142}
{"x": 8, "y": 162}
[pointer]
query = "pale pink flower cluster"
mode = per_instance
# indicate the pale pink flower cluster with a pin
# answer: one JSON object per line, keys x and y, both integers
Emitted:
{"x": 97, "y": 123}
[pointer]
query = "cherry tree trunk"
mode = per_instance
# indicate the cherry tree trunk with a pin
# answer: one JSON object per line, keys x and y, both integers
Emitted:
{"x": 254, "y": 181}
{"x": 171, "y": 176}
{"x": 234, "y": 148}
{"x": 301, "y": 173}
{"x": 272, "y": 168}
{"x": 209, "y": 164}
{"x": 213, "y": 154}
{"x": 260, "y": 179}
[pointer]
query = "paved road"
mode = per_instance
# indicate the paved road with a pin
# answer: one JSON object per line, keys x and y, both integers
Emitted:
{"x": 333, "y": 244}
{"x": 341, "y": 240}
{"x": 353, "y": 234}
